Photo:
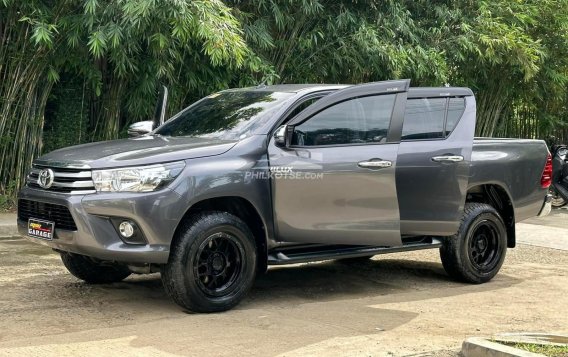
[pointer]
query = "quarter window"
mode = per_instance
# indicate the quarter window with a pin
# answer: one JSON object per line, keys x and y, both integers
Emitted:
{"x": 456, "y": 107}
{"x": 431, "y": 118}
{"x": 363, "y": 120}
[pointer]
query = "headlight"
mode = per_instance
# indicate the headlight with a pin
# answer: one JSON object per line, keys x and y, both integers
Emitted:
{"x": 136, "y": 179}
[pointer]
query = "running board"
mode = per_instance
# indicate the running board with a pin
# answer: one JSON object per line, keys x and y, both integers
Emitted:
{"x": 288, "y": 256}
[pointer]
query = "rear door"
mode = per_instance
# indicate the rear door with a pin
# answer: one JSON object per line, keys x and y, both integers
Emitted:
{"x": 336, "y": 183}
{"x": 434, "y": 158}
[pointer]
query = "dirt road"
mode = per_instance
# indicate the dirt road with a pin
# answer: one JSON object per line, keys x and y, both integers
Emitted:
{"x": 398, "y": 304}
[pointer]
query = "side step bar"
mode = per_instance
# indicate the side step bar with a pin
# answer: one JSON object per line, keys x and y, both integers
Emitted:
{"x": 289, "y": 256}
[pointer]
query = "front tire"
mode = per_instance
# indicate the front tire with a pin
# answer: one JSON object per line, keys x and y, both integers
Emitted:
{"x": 212, "y": 263}
{"x": 477, "y": 252}
{"x": 90, "y": 271}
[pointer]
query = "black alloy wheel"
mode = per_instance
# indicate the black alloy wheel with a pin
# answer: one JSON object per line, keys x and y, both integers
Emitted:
{"x": 218, "y": 264}
{"x": 212, "y": 263}
{"x": 477, "y": 251}
{"x": 484, "y": 247}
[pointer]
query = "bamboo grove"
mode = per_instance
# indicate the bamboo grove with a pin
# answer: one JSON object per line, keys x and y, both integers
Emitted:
{"x": 75, "y": 71}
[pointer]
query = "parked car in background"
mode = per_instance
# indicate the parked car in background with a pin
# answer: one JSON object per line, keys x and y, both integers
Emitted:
{"x": 285, "y": 174}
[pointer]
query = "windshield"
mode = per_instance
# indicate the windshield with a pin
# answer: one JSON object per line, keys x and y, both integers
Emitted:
{"x": 231, "y": 115}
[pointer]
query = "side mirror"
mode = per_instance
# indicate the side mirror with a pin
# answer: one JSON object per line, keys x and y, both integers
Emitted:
{"x": 161, "y": 105}
{"x": 140, "y": 128}
{"x": 281, "y": 137}
{"x": 145, "y": 127}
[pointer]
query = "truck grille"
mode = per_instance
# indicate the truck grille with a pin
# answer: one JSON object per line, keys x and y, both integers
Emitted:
{"x": 46, "y": 211}
{"x": 72, "y": 181}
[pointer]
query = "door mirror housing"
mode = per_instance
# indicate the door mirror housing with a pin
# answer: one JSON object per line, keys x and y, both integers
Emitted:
{"x": 140, "y": 128}
{"x": 283, "y": 136}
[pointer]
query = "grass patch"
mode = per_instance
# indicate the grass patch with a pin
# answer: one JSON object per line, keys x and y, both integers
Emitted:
{"x": 547, "y": 350}
{"x": 7, "y": 204}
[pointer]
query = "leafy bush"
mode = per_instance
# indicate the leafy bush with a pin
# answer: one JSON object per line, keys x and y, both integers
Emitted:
{"x": 66, "y": 117}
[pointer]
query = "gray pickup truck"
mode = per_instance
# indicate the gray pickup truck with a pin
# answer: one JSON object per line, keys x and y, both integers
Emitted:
{"x": 271, "y": 175}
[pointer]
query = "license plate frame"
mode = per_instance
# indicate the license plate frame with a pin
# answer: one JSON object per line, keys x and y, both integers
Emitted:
{"x": 41, "y": 229}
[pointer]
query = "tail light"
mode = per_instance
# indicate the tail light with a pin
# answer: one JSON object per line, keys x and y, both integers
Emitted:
{"x": 546, "y": 178}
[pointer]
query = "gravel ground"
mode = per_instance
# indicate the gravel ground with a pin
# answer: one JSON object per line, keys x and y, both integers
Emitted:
{"x": 392, "y": 305}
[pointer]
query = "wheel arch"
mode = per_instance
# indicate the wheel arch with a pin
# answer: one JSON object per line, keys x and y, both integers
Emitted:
{"x": 243, "y": 209}
{"x": 498, "y": 197}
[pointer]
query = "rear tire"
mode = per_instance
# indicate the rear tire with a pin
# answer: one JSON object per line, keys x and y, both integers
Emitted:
{"x": 212, "y": 263}
{"x": 90, "y": 271}
{"x": 477, "y": 252}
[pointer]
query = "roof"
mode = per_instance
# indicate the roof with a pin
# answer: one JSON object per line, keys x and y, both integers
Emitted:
{"x": 413, "y": 92}
{"x": 423, "y": 92}
{"x": 293, "y": 88}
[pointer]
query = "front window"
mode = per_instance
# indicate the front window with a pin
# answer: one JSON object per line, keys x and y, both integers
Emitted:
{"x": 229, "y": 115}
{"x": 363, "y": 120}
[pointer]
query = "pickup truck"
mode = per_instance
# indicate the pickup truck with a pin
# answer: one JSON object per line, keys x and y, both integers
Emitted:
{"x": 284, "y": 174}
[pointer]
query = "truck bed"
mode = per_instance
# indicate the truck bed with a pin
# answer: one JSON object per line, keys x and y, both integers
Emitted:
{"x": 516, "y": 165}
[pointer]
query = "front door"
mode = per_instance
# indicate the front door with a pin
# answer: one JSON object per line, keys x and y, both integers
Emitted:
{"x": 335, "y": 183}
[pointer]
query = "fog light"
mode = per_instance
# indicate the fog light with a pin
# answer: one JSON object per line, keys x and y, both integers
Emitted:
{"x": 126, "y": 229}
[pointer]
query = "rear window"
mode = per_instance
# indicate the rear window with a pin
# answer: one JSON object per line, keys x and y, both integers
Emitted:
{"x": 431, "y": 118}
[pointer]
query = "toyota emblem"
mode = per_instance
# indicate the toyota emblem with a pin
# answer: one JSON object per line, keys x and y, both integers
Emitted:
{"x": 45, "y": 179}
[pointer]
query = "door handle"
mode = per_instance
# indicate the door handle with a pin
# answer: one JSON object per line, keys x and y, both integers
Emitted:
{"x": 378, "y": 164}
{"x": 448, "y": 158}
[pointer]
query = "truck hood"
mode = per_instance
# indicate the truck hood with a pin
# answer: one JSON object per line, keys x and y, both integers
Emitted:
{"x": 133, "y": 152}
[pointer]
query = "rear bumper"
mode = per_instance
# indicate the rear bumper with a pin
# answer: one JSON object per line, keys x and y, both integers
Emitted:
{"x": 97, "y": 237}
{"x": 546, "y": 207}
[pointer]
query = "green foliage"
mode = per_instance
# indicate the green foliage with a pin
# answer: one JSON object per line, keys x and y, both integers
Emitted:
{"x": 347, "y": 42}
{"x": 546, "y": 350}
{"x": 66, "y": 117}
{"x": 8, "y": 197}
{"x": 506, "y": 50}
{"x": 120, "y": 52}
{"x": 131, "y": 47}
{"x": 513, "y": 54}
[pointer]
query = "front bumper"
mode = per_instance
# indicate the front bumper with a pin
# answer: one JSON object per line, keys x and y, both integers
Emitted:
{"x": 546, "y": 207}
{"x": 156, "y": 213}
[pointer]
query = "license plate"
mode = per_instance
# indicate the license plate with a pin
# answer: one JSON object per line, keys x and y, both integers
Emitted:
{"x": 38, "y": 228}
